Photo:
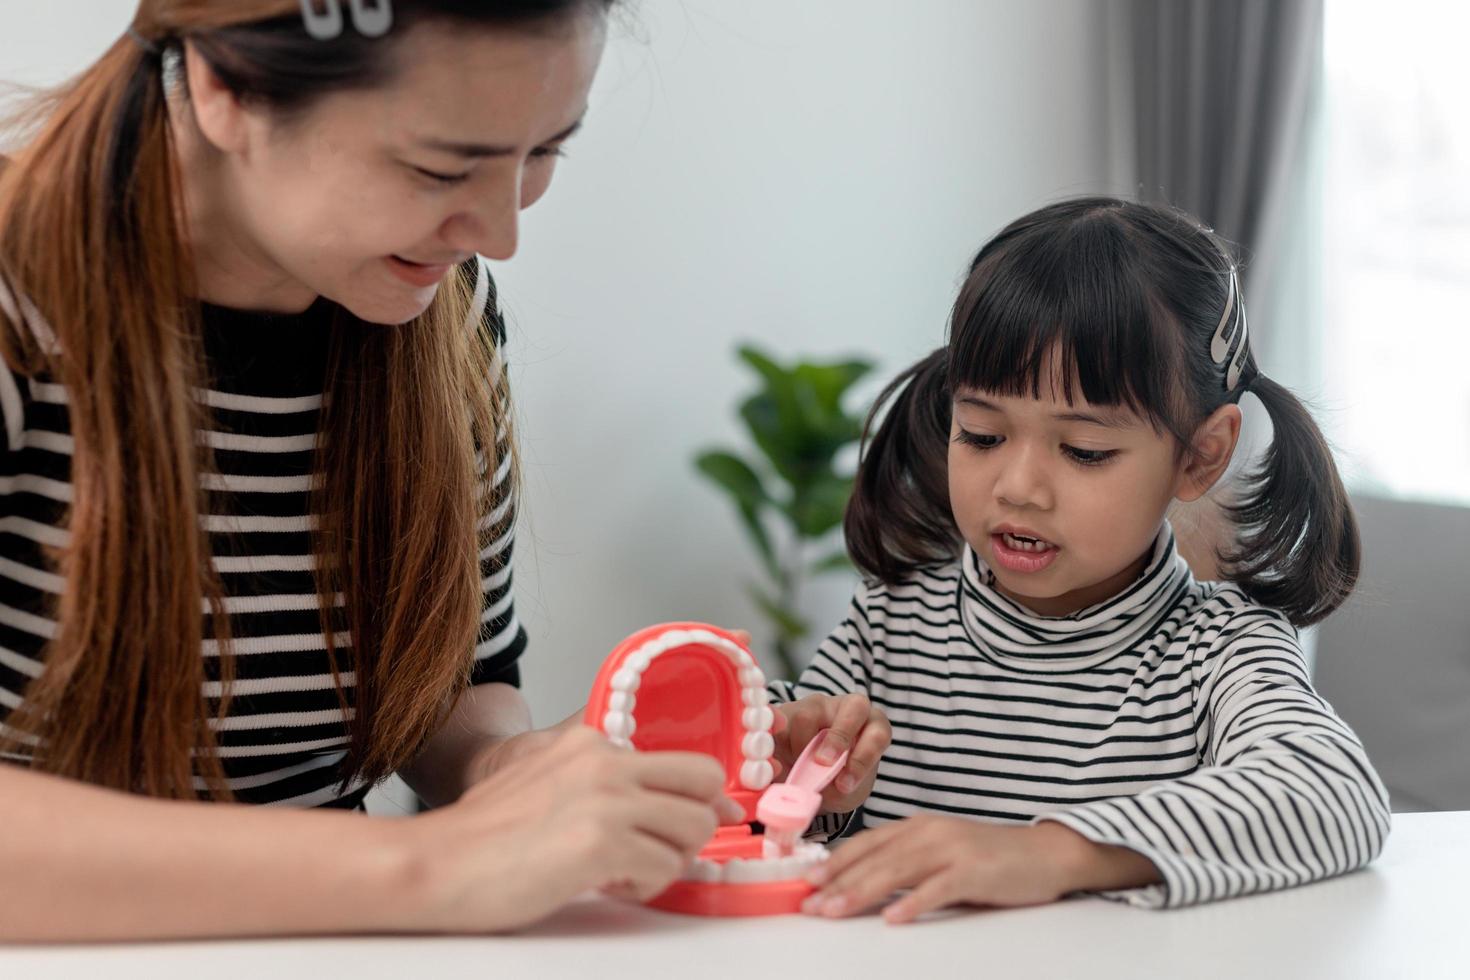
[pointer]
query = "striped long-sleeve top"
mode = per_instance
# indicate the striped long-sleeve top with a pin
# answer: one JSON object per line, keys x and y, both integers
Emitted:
{"x": 284, "y": 739}
{"x": 1176, "y": 719}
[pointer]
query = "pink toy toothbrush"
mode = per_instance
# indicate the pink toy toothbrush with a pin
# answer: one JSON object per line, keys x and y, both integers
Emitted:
{"x": 788, "y": 808}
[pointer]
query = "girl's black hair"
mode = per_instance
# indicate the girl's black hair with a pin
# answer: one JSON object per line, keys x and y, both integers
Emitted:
{"x": 1119, "y": 302}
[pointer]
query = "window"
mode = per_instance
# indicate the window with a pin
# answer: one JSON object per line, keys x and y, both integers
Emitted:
{"x": 1396, "y": 260}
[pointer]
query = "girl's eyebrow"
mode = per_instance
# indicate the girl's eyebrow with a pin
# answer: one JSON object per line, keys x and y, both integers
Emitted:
{"x": 1106, "y": 419}
{"x": 477, "y": 150}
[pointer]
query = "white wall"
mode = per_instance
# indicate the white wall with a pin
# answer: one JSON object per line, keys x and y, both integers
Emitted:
{"x": 814, "y": 176}
{"x": 810, "y": 175}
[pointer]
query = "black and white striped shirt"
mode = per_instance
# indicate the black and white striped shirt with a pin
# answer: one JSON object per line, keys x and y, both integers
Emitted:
{"x": 284, "y": 739}
{"x": 1176, "y": 719}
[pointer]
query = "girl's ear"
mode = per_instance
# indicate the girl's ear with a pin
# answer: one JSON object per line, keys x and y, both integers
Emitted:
{"x": 217, "y": 112}
{"x": 1210, "y": 452}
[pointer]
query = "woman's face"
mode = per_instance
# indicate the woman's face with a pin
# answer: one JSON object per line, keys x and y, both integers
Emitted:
{"x": 371, "y": 197}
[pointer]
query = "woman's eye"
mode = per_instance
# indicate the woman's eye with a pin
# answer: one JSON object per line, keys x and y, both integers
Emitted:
{"x": 542, "y": 152}
{"x": 439, "y": 178}
{"x": 1089, "y": 457}
{"x": 978, "y": 440}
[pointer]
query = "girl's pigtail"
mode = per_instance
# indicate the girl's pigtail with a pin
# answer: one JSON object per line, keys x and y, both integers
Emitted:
{"x": 899, "y": 517}
{"x": 1298, "y": 543}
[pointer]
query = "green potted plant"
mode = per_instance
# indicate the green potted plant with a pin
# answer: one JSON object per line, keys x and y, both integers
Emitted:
{"x": 790, "y": 494}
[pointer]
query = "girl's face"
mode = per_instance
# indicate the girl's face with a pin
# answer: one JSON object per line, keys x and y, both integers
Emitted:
{"x": 371, "y": 197}
{"x": 1061, "y": 500}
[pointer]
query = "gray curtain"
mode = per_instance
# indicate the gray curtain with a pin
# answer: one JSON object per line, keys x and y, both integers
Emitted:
{"x": 1221, "y": 90}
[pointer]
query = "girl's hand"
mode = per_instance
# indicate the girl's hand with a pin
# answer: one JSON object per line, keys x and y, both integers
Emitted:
{"x": 856, "y": 726}
{"x": 953, "y": 861}
{"x": 571, "y": 816}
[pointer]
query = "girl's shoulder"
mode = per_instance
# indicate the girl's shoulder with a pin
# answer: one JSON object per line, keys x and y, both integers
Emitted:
{"x": 920, "y": 591}
{"x": 1224, "y": 616}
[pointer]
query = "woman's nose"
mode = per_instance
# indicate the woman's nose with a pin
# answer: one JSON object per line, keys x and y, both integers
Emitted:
{"x": 492, "y": 226}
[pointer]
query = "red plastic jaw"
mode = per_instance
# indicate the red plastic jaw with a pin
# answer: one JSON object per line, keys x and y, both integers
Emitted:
{"x": 699, "y": 691}
{"x": 692, "y": 687}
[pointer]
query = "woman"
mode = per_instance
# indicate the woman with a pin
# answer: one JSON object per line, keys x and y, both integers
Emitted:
{"x": 251, "y": 372}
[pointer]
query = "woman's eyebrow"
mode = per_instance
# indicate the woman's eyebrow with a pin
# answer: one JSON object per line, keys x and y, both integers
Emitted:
{"x": 477, "y": 150}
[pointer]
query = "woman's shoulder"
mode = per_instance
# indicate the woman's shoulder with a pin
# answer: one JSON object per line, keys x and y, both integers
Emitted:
{"x": 485, "y": 299}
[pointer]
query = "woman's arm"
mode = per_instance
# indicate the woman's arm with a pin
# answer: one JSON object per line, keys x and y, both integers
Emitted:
{"x": 78, "y": 862}
{"x": 459, "y": 754}
{"x": 82, "y": 863}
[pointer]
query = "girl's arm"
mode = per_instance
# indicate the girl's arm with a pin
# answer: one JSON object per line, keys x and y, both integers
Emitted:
{"x": 1285, "y": 794}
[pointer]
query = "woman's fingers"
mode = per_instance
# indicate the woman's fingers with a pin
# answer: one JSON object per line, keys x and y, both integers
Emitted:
{"x": 683, "y": 824}
{"x": 691, "y": 774}
{"x": 642, "y": 867}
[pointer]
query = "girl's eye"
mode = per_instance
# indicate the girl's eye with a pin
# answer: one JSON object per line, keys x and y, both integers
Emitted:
{"x": 438, "y": 178}
{"x": 978, "y": 440}
{"x": 542, "y": 152}
{"x": 1089, "y": 457}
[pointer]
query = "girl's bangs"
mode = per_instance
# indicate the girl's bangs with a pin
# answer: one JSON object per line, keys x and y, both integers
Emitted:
{"x": 1064, "y": 310}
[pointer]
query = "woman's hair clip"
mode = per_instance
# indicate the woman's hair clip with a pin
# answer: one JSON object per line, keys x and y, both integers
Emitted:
{"x": 371, "y": 19}
{"x": 1226, "y": 334}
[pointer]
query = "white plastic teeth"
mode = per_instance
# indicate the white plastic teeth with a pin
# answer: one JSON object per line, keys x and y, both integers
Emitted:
{"x": 756, "y": 746}
{"x": 745, "y": 871}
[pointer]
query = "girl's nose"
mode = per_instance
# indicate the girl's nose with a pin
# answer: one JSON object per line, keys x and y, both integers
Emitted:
{"x": 1023, "y": 482}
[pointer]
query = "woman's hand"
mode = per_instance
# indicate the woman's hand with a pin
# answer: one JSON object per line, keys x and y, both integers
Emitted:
{"x": 856, "y": 727}
{"x": 954, "y": 861}
{"x": 547, "y": 825}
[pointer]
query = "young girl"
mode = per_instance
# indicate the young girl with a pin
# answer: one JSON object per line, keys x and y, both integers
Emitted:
{"x": 256, "y": 487}
{"x": 1070, "y": 709}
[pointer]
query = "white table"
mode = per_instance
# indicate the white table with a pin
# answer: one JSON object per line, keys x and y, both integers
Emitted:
{"x": 1408, "y": 916}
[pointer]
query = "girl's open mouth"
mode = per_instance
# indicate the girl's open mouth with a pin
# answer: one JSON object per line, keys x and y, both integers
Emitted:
{"x": 1021, "y": 553}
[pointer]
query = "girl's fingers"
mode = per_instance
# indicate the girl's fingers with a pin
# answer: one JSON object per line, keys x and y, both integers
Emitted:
{"x": 809, "y": 719}
{"x": 934, "y": 892}
{"x": 866, "y": 753}
{"x": 849, "y": 717}
{"x": 871, "y": 882}
{"x": 855, "y": 851}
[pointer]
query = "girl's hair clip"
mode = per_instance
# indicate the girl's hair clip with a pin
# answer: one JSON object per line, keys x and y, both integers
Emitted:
{"x": 1226, "y": 333}
{"x": 371, "y": 20}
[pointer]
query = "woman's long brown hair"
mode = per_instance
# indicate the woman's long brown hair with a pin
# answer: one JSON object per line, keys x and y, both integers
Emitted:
{"x": 91, "y": 236}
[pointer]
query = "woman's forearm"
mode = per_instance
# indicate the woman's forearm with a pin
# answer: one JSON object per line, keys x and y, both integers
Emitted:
{"x": 82, "y": 863}
{"x": 463, "y": 751}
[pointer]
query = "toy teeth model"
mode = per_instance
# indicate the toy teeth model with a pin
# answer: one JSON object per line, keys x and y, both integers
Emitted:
{"x": 692, "y": 687}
